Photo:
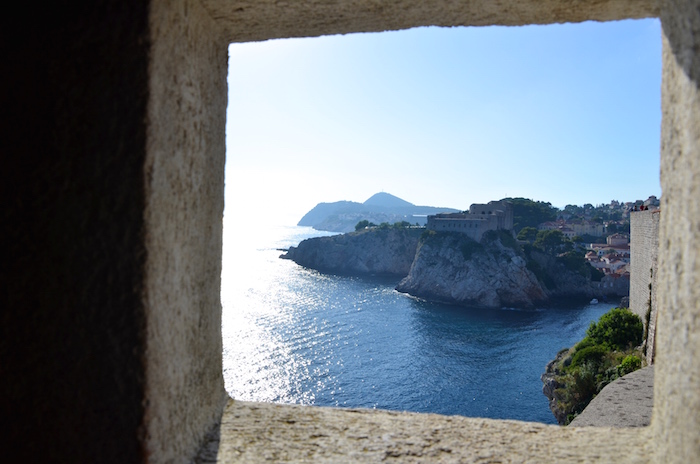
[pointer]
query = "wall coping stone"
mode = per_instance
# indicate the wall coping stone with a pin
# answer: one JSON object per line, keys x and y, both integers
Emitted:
{"x": 626, "y": 402}
{"x": 262, "y": 432}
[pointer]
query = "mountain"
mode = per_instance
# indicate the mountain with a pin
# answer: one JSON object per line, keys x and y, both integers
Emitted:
{"x": 342, "y": 216}
{"x": 387, "y": 200}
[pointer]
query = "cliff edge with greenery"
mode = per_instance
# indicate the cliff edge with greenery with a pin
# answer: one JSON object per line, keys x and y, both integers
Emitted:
{"x": 610, "y": 349}
{"x": 381, "y": 250}
{"x": 451, "y": 267}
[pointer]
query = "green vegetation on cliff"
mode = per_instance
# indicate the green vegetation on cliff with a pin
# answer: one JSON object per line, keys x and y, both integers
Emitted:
{"x": 610, "y": 349}
{"x": 528, "y": 213}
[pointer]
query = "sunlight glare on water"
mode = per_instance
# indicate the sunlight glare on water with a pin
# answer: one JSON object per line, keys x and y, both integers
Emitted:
{"x": 294, "y": 335}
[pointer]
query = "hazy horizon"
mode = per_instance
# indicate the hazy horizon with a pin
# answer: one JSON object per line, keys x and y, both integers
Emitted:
{"x": 568, "y": 114}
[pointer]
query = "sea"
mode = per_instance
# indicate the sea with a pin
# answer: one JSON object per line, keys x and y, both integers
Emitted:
{"x": 295, "y": 335}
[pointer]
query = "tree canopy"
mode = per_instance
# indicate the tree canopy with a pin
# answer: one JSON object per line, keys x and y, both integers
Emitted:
{"x": 552, "y": 241}
{"x": 528, "y": 233}
{"x": 529, "y": 213}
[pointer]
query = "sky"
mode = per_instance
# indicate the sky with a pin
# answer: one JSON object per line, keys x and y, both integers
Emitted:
{"x": 568, "y": 114}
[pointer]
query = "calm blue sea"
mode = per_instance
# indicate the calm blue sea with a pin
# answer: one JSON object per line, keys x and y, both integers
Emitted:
{"x": 294, "y": 335}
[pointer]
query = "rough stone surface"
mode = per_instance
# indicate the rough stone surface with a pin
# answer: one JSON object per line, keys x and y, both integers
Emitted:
{"x": 565, "y": 284}
{"x": 677, "y": 387}
{"x": 644, "y": 247}
{"x": 252, "y": 20}
{"x": 626, "y": 402}
{"x": 263, "y": 432}
{"x": 184, "y": 183}
{"x": 550, "y": 385}
{"x": 453, "y": 268}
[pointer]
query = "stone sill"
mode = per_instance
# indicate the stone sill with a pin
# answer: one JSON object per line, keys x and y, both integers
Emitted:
{"x": 259, "y": 432}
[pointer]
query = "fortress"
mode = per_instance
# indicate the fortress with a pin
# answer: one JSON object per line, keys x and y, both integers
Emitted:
{"x": 495, "y": 215}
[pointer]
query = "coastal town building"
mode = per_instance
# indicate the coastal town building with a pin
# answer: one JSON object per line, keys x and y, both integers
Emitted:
{"x": 571, "y": 229}
{"x": 617, "y": 239}
{"x": 479, "y": 219}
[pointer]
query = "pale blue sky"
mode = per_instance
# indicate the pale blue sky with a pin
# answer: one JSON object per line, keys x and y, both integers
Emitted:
{"x": 446, "y": 117}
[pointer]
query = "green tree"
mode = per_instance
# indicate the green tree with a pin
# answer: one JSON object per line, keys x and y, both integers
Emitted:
{"x": 552, "y": 241}
{"x": 617, "y": 329}
{"x": 528, "y": 233}
{"x": 573, "y": 210}
{"x": 362, "y": 224}
{"x": 529, "y": 213}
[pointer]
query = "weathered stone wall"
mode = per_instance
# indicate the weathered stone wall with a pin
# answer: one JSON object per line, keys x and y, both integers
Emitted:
{"x": 644, "y": 251}
{"x": 184, "y": 184}
{"x": 676, "y": 418}
{"x": 472, "y": 227}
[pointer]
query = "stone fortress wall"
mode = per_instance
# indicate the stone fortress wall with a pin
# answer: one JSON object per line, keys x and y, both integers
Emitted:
{"x": 644, "y": 254}
{"x": 495, "y": 215}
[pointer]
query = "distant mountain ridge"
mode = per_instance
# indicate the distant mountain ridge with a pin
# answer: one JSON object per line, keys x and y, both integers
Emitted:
{"x": 342, "y": 216}
{"x": 388, "y": 200}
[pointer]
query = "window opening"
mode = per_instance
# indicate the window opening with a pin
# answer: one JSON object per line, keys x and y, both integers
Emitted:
{"x": 344, "y": 117}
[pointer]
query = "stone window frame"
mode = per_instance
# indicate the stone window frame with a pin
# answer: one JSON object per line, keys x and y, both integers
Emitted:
{"x": 185, "y": 141}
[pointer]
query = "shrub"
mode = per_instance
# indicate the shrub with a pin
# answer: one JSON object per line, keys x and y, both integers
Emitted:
{"x": 586, "y": 342}
{"x": 427, "y": 233}
{"x": 617, "y": 329}
{"x": 630, "y": 364}
{"x": 596, "y": 274}
{"x": 600, "y": 358}
{"x": 468, "y": 247}
{"x": 574, "y": 261}
{"x": 592, "y": 355}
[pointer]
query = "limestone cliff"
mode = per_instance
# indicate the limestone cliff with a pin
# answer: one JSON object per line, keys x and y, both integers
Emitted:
{"x": 453, "y": 268}
{"x": 379, "y": 251}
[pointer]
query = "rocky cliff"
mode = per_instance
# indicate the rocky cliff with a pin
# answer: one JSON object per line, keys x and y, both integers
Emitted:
{"x": 562, "y": 279}
{"x": 453, "y": 268}
{"x": 450, "y": 267}
{"x": 379, "y": 251}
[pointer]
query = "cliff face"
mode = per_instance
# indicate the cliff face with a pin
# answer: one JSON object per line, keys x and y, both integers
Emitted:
{"x": 386, "y": 251}
{"x": 448, "y": 267}
{"x": 560, "y": 282}
{"x": 453, "y": 268}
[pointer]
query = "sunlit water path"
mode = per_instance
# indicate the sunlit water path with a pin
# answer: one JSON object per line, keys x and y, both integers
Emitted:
{"x": 293, "y": 335}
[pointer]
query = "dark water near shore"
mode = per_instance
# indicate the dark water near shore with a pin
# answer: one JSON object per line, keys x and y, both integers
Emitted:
{"x": 294, "y": 335}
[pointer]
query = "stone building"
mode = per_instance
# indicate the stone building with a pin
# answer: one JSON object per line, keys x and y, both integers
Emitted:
{"x": 495, "y": 215}
{"x": 644, "y": 258}
{"x": 113, "y": 189}
{"x": 617, "y": 240}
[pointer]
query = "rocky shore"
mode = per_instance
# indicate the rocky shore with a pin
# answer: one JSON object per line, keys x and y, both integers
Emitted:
{"x": 448, "y": 267}
{"x": 381, "y": 251}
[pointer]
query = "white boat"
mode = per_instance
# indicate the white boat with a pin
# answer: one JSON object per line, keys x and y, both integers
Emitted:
{"x": 594, "y": 301}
